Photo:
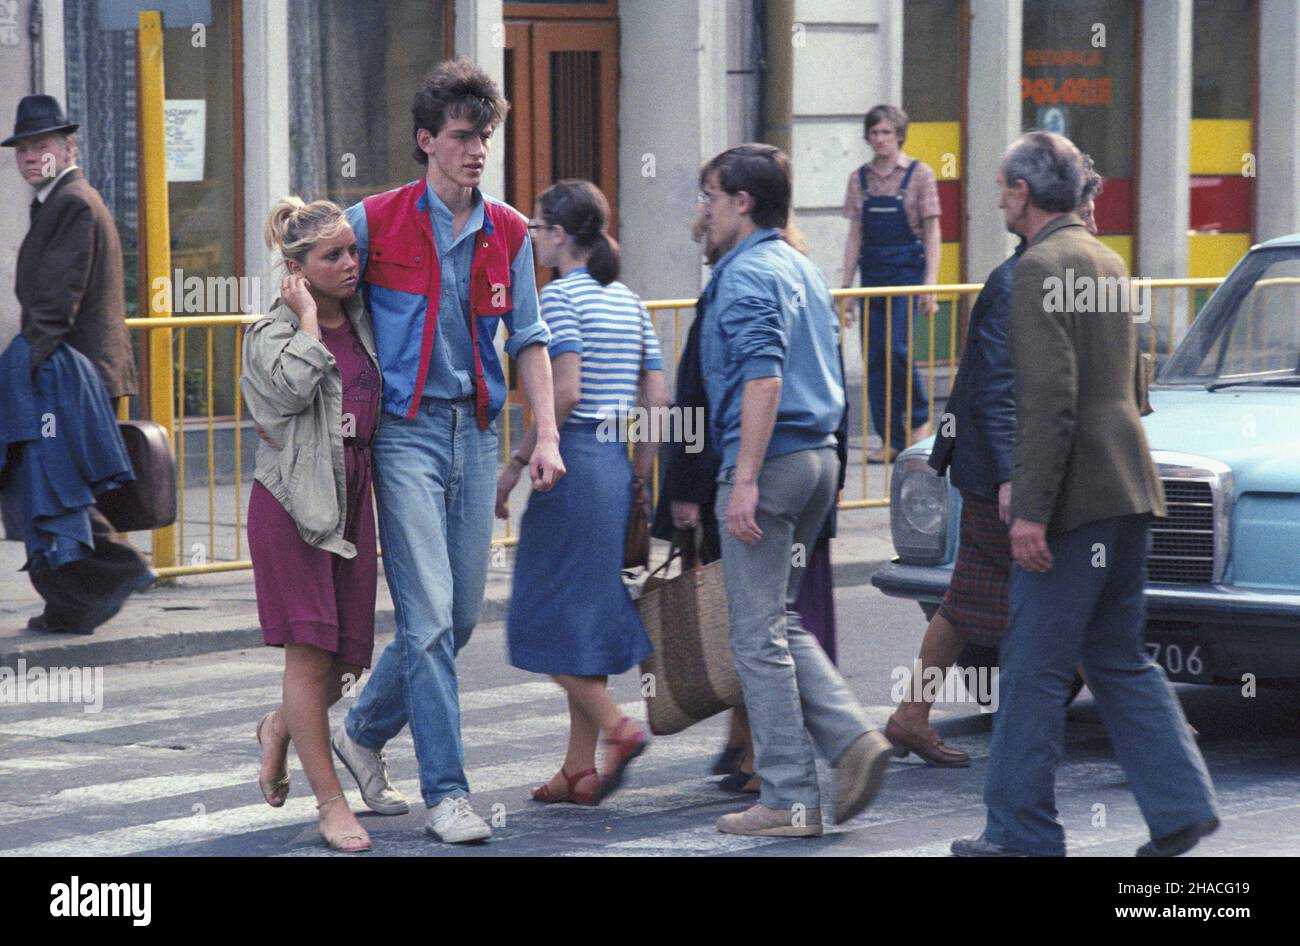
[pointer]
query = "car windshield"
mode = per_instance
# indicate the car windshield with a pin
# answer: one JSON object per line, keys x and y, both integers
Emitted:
{"x": 1249, "y": 331}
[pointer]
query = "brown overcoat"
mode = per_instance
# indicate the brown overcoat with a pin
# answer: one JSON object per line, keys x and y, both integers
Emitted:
{"x": 1080, "y": 451}
{"x": 69, "y": 283}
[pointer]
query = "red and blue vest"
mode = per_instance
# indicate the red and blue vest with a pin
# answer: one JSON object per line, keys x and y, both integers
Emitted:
{"x": 403, "y": 258}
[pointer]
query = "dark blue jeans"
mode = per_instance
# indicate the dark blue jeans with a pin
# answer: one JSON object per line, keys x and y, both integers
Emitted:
{"x": 889, "y": 343}
{"x": 1082, "y": 611}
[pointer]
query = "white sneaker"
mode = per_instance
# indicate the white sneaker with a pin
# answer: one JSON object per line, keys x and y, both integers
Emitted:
{"x": 452, "y": 821}
{"x": 370, "y": 769}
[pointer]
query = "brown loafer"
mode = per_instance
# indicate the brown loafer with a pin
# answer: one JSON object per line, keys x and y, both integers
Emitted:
{"x": 927, "y": 745}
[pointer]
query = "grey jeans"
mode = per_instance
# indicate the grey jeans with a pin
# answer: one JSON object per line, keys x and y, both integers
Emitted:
{"x": 792, "y": 690}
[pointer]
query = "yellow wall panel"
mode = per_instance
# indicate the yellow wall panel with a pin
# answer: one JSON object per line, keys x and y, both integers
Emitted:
{"x": 1218, "y": 144}
{"x": 1214, "y": 254}
{"x": 1123, "y": 245}
{"x": 950, "y": 262}
{"x": 930, "y": 141}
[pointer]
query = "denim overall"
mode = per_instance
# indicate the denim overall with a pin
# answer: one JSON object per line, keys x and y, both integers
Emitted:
{"x": 891, "y": 255}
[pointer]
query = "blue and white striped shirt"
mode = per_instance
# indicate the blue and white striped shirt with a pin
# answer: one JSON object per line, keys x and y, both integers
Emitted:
{"x": 612, "y": 333}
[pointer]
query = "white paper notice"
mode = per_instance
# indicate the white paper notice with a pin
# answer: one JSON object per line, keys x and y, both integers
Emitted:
{"x": 186, "y": 124}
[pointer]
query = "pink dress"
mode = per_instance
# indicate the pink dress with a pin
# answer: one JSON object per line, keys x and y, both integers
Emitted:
{"x": 306, "y": 595}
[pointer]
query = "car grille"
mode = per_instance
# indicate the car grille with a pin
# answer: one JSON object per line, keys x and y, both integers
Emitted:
{"x": 1182, "y": 547}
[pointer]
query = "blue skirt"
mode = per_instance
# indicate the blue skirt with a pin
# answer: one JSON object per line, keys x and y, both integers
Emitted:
{"x": 569, "y": 612}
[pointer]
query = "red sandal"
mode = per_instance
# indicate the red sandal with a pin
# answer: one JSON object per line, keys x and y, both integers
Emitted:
{"x": 592, "y": 797}
{"x": 620, "y": 750}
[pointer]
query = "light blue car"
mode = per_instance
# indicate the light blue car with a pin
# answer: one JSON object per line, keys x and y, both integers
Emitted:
{"x": 1223, "y": 580}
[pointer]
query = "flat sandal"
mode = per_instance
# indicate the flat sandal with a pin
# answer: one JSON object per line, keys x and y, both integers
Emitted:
{"x": 277, "y": 790}
{"x": 336, "y": 841}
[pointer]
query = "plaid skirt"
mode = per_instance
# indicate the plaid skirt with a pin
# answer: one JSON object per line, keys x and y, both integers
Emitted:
{"x": 977, "y": 599}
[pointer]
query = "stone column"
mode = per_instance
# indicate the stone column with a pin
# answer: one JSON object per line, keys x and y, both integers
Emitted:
{"x": 1277, "y": 194}
{"x": 994, "y": 70}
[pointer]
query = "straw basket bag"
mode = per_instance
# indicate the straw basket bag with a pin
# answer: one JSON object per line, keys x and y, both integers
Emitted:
{"x": 690, "y": 675}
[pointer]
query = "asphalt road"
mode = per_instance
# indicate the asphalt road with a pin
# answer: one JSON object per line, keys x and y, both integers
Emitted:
{"x": 169, "y": 765}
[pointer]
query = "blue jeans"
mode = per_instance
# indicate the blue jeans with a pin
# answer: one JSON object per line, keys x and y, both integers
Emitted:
{"x": 435, "y": 482}
{"x": 1087, "y": 609}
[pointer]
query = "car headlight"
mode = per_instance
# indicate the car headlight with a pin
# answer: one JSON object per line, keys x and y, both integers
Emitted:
{"x": 920, "y": 512}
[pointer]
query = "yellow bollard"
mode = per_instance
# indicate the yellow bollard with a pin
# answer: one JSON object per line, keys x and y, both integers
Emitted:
{"x": 157, "y": 242}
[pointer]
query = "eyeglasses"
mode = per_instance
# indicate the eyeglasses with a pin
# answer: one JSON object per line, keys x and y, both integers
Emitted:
{"x": 542, "y": 226}
{"x": 705, "y": 198}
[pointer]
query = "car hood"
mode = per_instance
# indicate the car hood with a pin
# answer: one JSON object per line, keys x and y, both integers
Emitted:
{"x": 1255, "y": 432}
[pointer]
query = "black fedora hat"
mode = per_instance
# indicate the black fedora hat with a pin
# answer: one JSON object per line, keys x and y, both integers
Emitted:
{"x": 38, "y": 115}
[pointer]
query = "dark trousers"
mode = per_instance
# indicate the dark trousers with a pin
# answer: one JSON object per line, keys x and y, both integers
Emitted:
{"x": 1088, "y": 608}
{"x": 889, "y": 343}
{"x": 79, "y": 589}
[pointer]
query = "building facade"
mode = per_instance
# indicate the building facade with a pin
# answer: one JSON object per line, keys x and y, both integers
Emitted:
{"x": 1189, "y": 108}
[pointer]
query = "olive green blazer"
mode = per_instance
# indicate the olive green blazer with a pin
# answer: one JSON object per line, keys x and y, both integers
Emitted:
{"x": 1080, "y": 451}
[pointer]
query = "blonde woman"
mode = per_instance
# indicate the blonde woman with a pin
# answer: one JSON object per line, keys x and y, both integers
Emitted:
{"x": 312, "y": 384}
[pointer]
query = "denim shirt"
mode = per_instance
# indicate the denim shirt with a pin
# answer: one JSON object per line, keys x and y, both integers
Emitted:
{"x": 451, "y": 371}
{"x": 767, "y": 313}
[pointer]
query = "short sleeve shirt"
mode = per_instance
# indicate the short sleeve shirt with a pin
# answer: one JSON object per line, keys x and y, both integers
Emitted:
{"x": 610, "y": 330}
{"x": 920, "y": 200}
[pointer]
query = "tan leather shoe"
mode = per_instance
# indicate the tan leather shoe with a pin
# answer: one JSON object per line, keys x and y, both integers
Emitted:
{"x": 927, "y": 744}
{"x": 859, "y": 773}
{"x": 761, "y": 821}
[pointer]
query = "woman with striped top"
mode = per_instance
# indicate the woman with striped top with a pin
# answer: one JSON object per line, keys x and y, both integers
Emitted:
{"x": 570, "y": 615}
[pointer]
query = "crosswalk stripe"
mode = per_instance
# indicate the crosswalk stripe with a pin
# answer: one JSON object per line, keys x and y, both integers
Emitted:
{"x": 161, "y": 710}
{"x": 69, "y": 761}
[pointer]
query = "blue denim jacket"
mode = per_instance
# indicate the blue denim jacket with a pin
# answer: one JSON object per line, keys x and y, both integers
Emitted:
{"x": 451, "y": 372}
{"x": 768, "y": 314}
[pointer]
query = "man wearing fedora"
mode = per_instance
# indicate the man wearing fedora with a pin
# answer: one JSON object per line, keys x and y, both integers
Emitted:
{"x": 69, "y": 287}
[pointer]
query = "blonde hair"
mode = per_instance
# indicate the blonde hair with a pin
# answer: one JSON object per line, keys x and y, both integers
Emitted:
{"x": 294, "y": 227}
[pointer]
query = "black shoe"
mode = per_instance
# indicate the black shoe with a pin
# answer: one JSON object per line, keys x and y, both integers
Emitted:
{"x": 741, "y": 782}
{"x": 1180, "y": 842}
{"x": 725, "y": 762}
{"x": 107, "y": 609}
{"x": 39, "y": 623}
{"x": 982, "y": 847}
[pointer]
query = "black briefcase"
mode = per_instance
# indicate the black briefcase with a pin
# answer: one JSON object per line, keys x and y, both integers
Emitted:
{"x": 150, "y": 501}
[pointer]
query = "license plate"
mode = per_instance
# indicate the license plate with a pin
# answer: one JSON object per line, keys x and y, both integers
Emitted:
{"x": 1183, "y": 661}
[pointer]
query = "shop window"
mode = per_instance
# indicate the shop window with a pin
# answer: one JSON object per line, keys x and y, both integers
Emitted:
{"x": 1222, "y": 133}
{"x": 355, "y": 67}
{"x": 201, "y": 71}
{"x": 1077, "y": 79}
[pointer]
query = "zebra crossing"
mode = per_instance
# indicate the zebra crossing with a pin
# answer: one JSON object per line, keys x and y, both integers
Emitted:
{"x": 169, "y": 766}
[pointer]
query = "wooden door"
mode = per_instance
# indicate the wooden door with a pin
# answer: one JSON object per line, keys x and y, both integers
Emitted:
{"x": 562, "y": 82}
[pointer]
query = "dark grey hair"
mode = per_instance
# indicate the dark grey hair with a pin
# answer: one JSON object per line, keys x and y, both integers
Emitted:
{"x": 1092, "y": 183}
{"x": 1055, "y": 170}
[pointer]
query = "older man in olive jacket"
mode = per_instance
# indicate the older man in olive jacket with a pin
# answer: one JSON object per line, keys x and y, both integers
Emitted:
{"x": 1082, "y": 491}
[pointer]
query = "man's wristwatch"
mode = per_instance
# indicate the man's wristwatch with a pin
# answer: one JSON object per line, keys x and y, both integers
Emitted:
{"x": 521, "y": 460}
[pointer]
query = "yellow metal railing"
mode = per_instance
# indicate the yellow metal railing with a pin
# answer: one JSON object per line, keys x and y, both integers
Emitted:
{"x": 940, "y": 337}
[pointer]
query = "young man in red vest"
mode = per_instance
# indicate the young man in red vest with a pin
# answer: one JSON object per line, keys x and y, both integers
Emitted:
{"x": 442, "y": 265}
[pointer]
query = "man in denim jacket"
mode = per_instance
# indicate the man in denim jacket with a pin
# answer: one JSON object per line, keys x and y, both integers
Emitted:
{"x": 769, "y": 354}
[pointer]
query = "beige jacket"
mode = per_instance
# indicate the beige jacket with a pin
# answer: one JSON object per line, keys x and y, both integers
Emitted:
{"x": 293, "y": 390}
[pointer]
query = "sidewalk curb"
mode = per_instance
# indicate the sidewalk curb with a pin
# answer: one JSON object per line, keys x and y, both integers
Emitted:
{"x": 174, "y": 644}
{"x": 165, "y": 646}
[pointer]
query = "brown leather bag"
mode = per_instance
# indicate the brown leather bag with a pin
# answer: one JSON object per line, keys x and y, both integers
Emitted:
{"x": 150, "y": 501}
{"x": 636, "y": 544}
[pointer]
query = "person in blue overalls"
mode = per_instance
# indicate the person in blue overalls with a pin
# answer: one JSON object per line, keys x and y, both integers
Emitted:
{"x": 893, "y": 209}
